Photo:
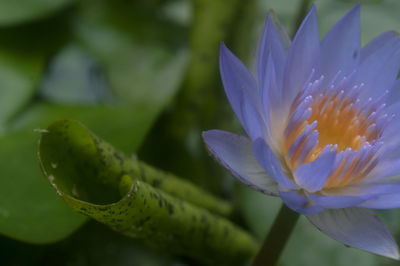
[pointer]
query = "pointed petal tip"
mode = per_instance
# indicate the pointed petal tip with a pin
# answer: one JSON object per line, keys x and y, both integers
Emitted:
{"x": 224, "y": 52}
{"x": 267, "y": 21}
{"x": 312, "y": 14}
{"x": 222, "y": 45}
{"x": 209, "y": 135}
{"x": 204, "y": 134}
{"x": 313, "y": 9}
{"x": 392, "y": 254}
{"x": 355, "y": 10}
{"x": 395, "y": 255}
{"x": 222, "y": 49}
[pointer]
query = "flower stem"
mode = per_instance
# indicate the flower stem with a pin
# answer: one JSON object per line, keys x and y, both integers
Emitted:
{"x": 277, "y": 237}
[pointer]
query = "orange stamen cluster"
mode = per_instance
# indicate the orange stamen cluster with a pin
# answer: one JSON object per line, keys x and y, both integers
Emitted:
{"x": 339, "y": 123}
{"x": 339, "y": 126}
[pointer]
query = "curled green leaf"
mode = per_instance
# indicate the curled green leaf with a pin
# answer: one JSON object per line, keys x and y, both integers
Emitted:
{"x": 138, "y": 200}
{"x": 70, "y": 151}
{"x": 159, "y": 219}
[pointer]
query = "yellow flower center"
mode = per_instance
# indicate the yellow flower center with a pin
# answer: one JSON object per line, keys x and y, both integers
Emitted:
{"x": 340, "y": 125}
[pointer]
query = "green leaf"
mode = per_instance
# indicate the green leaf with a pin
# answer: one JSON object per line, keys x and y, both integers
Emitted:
{"x": 19, "y": 163}
{"x": 29, "y": 211}
{"x": 20, "y": 11}
{"x": 137, "y": 54}
{"x": 115, "y": 123}
{"x": 19, "y": 75}
{"x": 23, "y": 52}
{"x": 141, "y": 83}
{"x": 124, "y": 126}
{"x": 91, "y": 177}
{"x": 63, "y": 135}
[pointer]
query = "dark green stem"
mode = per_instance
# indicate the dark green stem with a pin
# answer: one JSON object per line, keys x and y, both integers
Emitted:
{"x": 277, "y": 237}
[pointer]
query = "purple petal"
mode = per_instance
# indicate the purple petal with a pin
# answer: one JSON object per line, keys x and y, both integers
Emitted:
{"x": 379, "y": 71}
{"x": 312, "y": 176}
{"x": 377, "y": 43}
{"x": 390, "y": 135}
{"x": 340, "y": 49}
{"x": 286, "y": 42}
{"x": 236, "y": 154}
{"x": 336, "y": 202}
{"x": 394, "y": 96}
{"x": 253, "y": 121}
{"x": 303, "y": 57}
{"x": 241, "y": 90}
{"x": 267, "y": 159}
{"x": 357, "y": 227}
{"x": 387, "y": 201}
{"x": 391, "y": 139}
{"x": 367, "y": 190}
{"x": 299, "y": 203}
{"x": 270, "y": 45}
{"x": 386, "y": 168}
{"x": 271, "y": 98}
{"x": 270, "y": 93}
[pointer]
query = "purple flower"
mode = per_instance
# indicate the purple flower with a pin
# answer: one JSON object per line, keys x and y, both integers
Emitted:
{"x": 323, "y": 120}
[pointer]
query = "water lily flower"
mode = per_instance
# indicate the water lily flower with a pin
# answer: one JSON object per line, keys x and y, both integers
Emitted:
{"x": 322, "y": 119}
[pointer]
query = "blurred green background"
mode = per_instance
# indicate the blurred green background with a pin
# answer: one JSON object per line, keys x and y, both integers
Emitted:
{"x": 143, "y": 75}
